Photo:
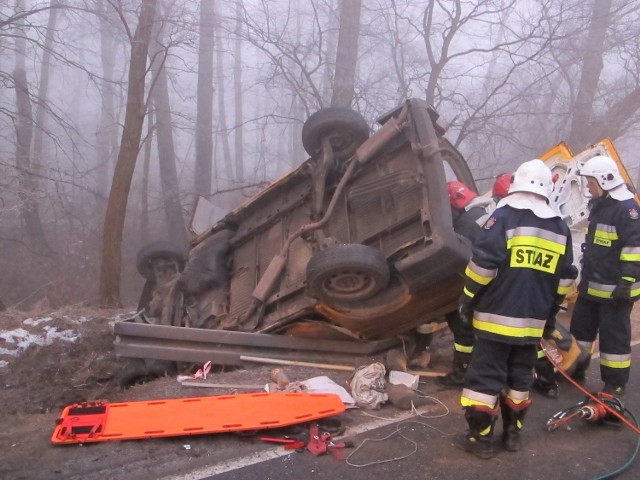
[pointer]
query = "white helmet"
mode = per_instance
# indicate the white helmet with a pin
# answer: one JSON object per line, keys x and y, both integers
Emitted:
{"x": 532, "y": 176}
{"x": 604, "y": 170}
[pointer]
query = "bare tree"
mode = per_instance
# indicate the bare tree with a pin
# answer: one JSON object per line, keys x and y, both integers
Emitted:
{"x": 347, "y": 56}
{"x": 24, "y": 134}
{"x": 580, "y": 134}
{"x": 108, "y": 121}
{"x": 204, "y": 106}
{"x": 238, "y": 95}
{"x": 164, "y": 134}
{"x": 298, "y": 67}
{"x": 222, "y": 134}
{"x": 43, "y": 89}
{"x": 607, "y": 99}
{"x": 111, "y": 262}
{"x": 332, "y": 29}
{"x": 26, "y": 193}
{"x": 510, "y": 77}
{"x": 144, "y": 188}
{"x": 478, "y": 72}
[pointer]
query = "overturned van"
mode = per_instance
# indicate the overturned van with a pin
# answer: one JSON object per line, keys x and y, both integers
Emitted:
{"x": 350, "y": 250}
{"x": 334, "y": 261}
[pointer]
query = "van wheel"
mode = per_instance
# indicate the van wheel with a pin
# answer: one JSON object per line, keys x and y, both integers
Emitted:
{"x": 158, "y": 251}
{"x": 348, "y": 273}
{"x": 346, "y": 129}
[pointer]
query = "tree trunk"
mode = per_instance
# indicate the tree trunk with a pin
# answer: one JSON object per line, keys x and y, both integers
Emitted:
{"x": 144, "y": 190}
{"x": 26, "y": 193}
{"x": 331, "y": 35}
{"x": 24, "y": 134}
{"x": 204, "y": 114}
{"x": 222, "y": 134}
{"x": 166, "y": 150}
{"x": 581, "y": 119}
{"x": 107, "y": 127}
{"x": 347, "y": 56}
{"x": 296, "y": 153}
{"x": 237, "y": 92}
{"x": 113, "y": 228}
{"x": 43, "y": 89}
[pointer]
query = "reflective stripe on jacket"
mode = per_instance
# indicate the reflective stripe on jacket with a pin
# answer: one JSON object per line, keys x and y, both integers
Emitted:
{"x": 611, "y": 248}
{"x": 520, "y": 268}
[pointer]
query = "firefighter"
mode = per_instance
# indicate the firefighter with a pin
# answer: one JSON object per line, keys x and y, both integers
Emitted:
{"x": 545, "y": 377}
{"x": 610, "y": 275}
{"x": 468, "y": 218}
{"x": 518, "y": 275}
{"x": 545, "y": 381}
{"x": 467, "y": 221}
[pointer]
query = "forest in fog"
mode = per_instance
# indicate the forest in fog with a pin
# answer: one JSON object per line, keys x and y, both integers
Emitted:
{"x": 116, "y": 114}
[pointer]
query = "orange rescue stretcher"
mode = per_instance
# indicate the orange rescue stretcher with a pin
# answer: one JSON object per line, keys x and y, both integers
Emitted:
{"x": 102, "y": 421}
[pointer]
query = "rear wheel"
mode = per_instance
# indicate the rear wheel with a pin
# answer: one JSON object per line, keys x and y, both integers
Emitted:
{"x": 347, "y": 273}
{"x": 156, "y": 251}
{"x": 345, "y": 128}
{"x": 159, "y": 263}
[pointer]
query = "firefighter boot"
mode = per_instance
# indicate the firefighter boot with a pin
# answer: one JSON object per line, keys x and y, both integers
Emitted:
{"x": 479, "y": 439}
{"x": 545, "y": 381}
{"x": 455, "y": 378}
{"x": 512, "y": 421}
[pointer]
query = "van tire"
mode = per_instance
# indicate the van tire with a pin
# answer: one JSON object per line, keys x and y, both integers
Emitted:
{"x": 154, "y": 250}
{"x": 347, "y": 273}
{"x": 346, "y": 128}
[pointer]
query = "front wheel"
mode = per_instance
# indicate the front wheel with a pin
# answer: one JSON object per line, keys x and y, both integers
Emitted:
{"x": 347, "y": 273}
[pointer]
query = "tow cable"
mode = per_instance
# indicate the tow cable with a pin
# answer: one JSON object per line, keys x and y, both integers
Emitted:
{"x": 596, "y": 408}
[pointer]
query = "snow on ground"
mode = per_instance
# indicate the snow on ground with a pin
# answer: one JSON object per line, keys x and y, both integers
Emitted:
{"x": 40, "y": 331}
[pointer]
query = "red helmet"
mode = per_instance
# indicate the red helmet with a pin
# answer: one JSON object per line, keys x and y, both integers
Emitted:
{"x": 501, "y": 185}
{"x": 459, "y": 194}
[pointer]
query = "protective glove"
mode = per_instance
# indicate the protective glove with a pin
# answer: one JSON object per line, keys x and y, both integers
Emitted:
{"x": 465, "y": 310}
{"x": 622, "y": 292}
{"x": 561, "y": 341}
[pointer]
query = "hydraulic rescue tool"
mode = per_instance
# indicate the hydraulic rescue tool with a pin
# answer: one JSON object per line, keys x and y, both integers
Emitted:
{"x": 595, "y": 407}
{"x": 599, "y": 408}
{"x": 590, "y": 411}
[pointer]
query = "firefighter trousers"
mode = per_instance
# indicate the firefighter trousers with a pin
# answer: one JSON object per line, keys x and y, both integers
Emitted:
{"x": 612, "y": 322}
{"x": 496, "y": 365}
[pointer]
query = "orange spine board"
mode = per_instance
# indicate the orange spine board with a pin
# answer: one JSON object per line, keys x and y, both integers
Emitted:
{"x": 101, "y": 421}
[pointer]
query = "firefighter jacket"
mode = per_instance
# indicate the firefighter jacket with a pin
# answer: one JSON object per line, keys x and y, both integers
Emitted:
{"x": 519, "y": 273}
{"x": 468, "y": 223}
{"x": 611, "y": 249}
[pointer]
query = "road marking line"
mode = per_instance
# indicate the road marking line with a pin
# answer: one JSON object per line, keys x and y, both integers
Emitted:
{"x": 277, "y": 452}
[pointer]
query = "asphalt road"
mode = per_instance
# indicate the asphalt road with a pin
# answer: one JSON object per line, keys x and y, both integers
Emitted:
{"x": 391, "y": 443}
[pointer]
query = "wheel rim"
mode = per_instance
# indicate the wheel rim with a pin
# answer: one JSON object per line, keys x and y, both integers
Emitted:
{"x": 349, "y": 284}
{"x": 340, "y": 141}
